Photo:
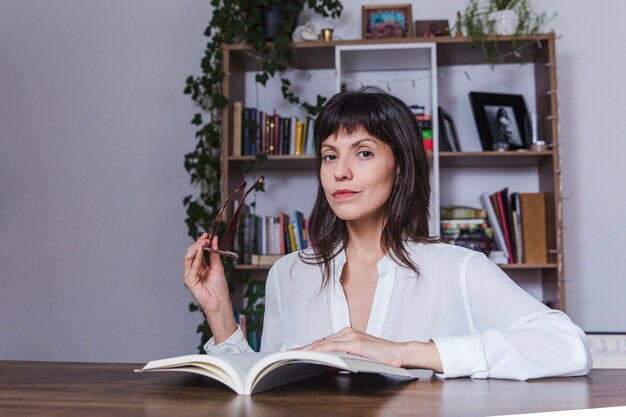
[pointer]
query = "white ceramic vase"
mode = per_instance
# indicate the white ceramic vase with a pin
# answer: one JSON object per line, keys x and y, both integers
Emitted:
{"x": 504, "y": 21}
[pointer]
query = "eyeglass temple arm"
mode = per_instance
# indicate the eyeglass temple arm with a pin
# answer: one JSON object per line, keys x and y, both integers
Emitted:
{"x": 218, "y": 218}
{"x": 233, "y": 222}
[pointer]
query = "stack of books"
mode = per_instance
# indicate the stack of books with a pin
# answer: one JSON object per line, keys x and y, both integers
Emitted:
{"x": 467, "y": 227}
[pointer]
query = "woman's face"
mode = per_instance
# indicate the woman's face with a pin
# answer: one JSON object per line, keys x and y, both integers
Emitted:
{"x": 358, "y": 173}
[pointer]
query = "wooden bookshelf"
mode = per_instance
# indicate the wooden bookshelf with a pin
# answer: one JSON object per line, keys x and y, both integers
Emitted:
{"x": 539, "y": 53}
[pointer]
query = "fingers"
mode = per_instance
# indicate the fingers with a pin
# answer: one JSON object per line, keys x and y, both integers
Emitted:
{"x": 194, "y": 258}
{"x": 214, "y": 257}
{"x": 191, "y": 250}
{"x": 347, "y": 334}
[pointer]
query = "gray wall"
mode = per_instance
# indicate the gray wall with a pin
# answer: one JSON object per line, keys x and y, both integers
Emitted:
{"x": 93, "y": 129}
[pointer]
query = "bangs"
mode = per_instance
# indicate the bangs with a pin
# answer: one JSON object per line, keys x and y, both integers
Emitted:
{"x": 351, "y": 114}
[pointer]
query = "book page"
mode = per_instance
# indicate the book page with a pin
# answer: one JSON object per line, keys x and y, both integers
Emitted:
{"x": 242, "y": 362}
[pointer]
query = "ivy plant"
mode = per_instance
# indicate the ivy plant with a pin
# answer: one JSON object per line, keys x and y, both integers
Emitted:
{"x": 236, "y": 21}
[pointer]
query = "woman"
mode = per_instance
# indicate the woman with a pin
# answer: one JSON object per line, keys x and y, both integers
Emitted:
{"x": 375, "y": 283}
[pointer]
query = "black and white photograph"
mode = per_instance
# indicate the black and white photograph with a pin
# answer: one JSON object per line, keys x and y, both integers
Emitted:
{"x": 504, "y": 130}
{"x": 501, "y": 120}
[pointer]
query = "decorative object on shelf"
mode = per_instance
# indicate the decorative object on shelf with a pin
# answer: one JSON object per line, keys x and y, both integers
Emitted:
{"x": 310, "y": 31}
{"x": 277, "y": 16}
{"x": 448, "y": 139}
{"x": 237, "y": 21}
{"x": 458, "y": 31}
{"x": 485, "y": 18}
{"x": 501, "y": 119}
{"x": 327, "y": 35}
{"x": 387, "y": 21}
{"x": 537, "y": 144}
{"x": 432, "y": 28}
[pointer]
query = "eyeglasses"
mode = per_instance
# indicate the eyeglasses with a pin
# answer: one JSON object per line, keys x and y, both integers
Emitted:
{"x": 225, "y": 242}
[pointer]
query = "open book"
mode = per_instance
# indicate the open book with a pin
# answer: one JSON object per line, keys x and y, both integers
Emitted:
{"x": 249, "y": 373}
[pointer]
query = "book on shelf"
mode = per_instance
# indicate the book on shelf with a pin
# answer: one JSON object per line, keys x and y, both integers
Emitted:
{"x": 237, "y": 128}
{"x": 462, "y": 212}
{"x": 299, "y": 135}
{"x": 534, "y": 227}
{"x": 517, "y": 226}
{"x": 501, "y": 209}
{"x": 498, "y": 235}
{"x": 251, "y": 373}
{"x": 265, "y": 259}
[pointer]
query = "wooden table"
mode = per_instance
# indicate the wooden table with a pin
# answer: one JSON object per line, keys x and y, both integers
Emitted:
{"x": 104, "y": 389}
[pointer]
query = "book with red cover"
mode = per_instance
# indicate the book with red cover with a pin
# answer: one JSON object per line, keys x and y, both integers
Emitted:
{"x": 505, "y": 225}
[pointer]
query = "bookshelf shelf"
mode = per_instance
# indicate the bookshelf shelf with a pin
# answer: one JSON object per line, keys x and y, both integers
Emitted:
{"x": 528, "y": 266}
{"x": 278, "y": 162}
{"x": 503, "y": 266}
{"x": 493, "y": 158}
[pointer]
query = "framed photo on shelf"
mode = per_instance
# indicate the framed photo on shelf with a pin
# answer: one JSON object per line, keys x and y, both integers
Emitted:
{"x": 448, "y": 139}
{"x": 430, "y": 28}
{"x": 502, "y": 120}
{"x": 387, "y": 21}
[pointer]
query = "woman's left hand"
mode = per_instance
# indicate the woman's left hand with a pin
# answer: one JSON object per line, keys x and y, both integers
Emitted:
{"x": 405, "y": 354}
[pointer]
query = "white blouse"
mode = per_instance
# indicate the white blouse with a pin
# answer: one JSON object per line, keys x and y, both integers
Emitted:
{"x": 482, "y": 323}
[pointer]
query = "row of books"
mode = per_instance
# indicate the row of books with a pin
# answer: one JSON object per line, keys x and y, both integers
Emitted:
{"x": 256, "y": 131}
{"x": 519, "y": 223}
{"x": 264, "y": 239}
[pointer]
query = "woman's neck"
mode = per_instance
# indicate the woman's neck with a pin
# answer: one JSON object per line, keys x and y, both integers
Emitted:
{"x": 364, "y": 241}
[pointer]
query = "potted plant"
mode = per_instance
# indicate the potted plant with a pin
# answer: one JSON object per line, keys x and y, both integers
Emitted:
{"x": 483, "y": 19}
{"x": 253, "y": 23}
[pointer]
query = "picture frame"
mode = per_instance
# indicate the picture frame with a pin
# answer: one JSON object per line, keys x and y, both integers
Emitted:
{"x": 432, "y": 28}
{"x": 502, "y": 120}
{"x": 448, "y": 138}
{"x": 387, "y": 21}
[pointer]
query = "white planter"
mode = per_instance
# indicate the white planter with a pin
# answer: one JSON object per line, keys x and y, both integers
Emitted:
{"x": 504, "y": 21}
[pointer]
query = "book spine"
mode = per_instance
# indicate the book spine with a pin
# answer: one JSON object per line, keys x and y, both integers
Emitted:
{"x": 309, "y": 150}
{"x": 506, "y": 203}
{"x": 517, "y": 218}
{"x": 237, "y": 137}
{"x": 245, "y": 145}
{"x": 505, "y": 227}
{"x": 493, "y": 220}
{"x": 292, "y": 237}
{"x": 254, "y": 137}
{"x": 534, "y": 227}
{"x": 292, "y": 137}
{"x": 299, "y": 133}
{"x": 276, "y": 135}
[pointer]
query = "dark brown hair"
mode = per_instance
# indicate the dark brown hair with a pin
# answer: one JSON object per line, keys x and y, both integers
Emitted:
{"x": 388, "y": 119}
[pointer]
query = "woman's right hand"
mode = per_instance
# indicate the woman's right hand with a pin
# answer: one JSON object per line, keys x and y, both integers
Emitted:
{"x": 206, "y": 283}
